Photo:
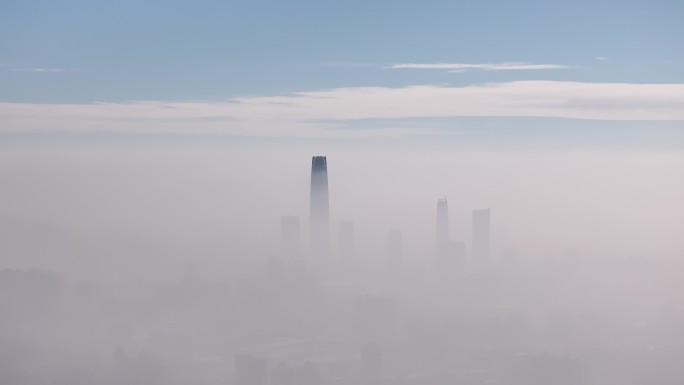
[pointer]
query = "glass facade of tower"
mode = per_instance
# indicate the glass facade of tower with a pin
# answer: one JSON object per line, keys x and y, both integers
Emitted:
{"x": 319, "y": 210}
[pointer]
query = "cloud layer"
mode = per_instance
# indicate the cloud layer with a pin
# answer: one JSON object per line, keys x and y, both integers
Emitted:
{"x": 460, "y": 67}
{"x": 323, "y": 113}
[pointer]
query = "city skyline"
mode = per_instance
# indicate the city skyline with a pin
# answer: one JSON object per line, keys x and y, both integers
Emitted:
{"x": 446, "y": 249}
{"x": 303, "y": 192}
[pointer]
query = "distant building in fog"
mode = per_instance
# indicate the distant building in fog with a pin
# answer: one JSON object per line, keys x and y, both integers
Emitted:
{"x": 319, "y": 210}
{"x": 481, "y": 236}
{"x": 442, "y": 229}
{"x": 346, "y": 238}
{"x": 394, "y": 247}
{"x": 290, "y": 236}
{"x": 250, "y": 370}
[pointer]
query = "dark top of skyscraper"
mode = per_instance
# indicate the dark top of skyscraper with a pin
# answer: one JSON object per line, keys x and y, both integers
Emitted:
{"x": 319, "y": 160}
{"x": 319, "y": 211}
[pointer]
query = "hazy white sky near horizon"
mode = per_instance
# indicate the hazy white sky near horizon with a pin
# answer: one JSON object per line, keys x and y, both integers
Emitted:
{"x": 606, "y": 202}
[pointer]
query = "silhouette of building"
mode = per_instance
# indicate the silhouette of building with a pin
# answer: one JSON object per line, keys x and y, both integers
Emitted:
{"x": 319, "y": 210}
{"x": 481, "y": 236}
{"x": 250, "y": 370}
{"x": 346, "y": 239}
{"x": 394, "y": 247}
{"x": 290, "y": 236}
{"x": 442, "y": 229}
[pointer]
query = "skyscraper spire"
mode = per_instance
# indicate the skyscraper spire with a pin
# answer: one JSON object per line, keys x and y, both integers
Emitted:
{"x": 319, "y": 211}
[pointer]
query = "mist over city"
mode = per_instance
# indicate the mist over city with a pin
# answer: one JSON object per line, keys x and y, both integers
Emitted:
{"x": 354, "y": 268}
{"x": 359, "y": 193}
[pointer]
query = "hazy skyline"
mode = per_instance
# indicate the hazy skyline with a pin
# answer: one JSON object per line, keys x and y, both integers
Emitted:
{"x": 200, "y": 198}
{"x": 246, "y": 192}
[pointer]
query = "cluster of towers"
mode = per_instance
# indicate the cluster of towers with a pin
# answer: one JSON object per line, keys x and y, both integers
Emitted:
{"x": 319, "y": 219}
{"x": 453, "y": 252}
{"x": 446, "y": 250}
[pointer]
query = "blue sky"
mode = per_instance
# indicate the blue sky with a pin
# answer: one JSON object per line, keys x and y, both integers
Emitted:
{"x": 570, "y": 109}
{"x": 76, "y": 53}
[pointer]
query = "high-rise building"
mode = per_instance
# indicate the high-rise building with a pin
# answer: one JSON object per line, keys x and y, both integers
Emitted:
{"x": 346, "y": 240}
{"x": 289, "y": 236}
{"x": 481, "y": 236}
{"x": 442, "y": 229}
{"x": 319, "y": 210}
{"x": 394, "y": 247}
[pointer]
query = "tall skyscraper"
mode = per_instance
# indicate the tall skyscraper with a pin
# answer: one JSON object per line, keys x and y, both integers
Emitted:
{"x": 319, "y": 210}
{"x": 394, "y": 247}
{"x": 481, "y": 236}
{"x": 289, "y": 236}
{"x": 346, "y": 240}
{"x": 442, "y": 229}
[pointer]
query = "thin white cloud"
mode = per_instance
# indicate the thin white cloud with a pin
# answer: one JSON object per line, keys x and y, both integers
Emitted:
{"x": 600, "y": 58}
{"x": 323, "y": 113}
{"x": 461, "y": 67}
{"x": 43, "y": 70}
